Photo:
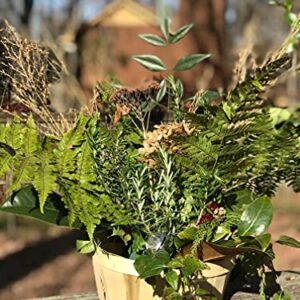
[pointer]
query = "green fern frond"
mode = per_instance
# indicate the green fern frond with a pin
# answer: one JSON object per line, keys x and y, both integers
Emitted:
{"x": 45, "y": 177}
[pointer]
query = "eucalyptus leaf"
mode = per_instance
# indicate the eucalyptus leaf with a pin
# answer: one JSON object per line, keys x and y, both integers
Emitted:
{"x": 181, "y": 33}
{"x": 153, "y": 39}
{"x": 150, "y": 62}
{"x": 288, "y": 241}
{"x": 189, "y": 61}
{"x": 256, "y": 218}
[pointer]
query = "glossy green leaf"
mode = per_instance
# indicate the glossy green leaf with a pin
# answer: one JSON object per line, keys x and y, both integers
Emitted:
{"x": 181, "y": 33}
{"x": 189, "y": 61}
{"x": 172, "y": 279}
{"x": 162, "y": 91}
{"x": 202, "y": 292}
{"x": 288, "y": 241}
{"x": 256, "y": 218}
{"x": 165, "y": 28}
{"x": 85, "y": 247}
{"x": 171, "y": 294}
{"x": 25, "y": 203}
{"x": 230, "y": 247}
{"x": 221, "y": 232}
{"x": 151, "y": 264}
{"x": 191, "y": 265}
{"x": 264, "y": 240}
{"x": 188, "y": 233}
{"x": 150, "y": 62}
{"x": 152, "y": 39}
{"x": 176, "y": 262}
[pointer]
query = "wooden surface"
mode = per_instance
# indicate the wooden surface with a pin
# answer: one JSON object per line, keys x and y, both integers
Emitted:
{"x": 237, "y": 290}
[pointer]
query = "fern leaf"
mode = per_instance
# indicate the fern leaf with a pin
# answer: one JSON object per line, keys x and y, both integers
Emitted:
{"x": 45, "y": 176}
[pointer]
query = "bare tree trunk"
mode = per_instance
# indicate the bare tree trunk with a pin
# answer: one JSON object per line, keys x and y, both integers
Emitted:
{"x": 25, "y": 16}
{"x": 209, "y": 32}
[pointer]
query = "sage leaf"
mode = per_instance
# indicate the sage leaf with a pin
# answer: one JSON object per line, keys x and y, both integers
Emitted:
{"x": 181, "y": 33}
{"x": 172, "y": 279}
{"x": 153, "y": 39}
{"x": 256, "y": 218}
{"x": 189, "y": 61}
{"x": 150, "y": 62}
{"x": 288, "y": 241}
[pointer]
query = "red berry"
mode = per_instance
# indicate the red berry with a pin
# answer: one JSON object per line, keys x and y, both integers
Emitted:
{"x": 212, "y": 206}
{"x": 205, "y": 218}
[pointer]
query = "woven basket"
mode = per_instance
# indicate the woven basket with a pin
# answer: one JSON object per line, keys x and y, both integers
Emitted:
{"x": 117, "y": 279}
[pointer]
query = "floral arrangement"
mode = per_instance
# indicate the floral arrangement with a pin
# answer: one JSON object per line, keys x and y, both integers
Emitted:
{"x": 172, "y": 182}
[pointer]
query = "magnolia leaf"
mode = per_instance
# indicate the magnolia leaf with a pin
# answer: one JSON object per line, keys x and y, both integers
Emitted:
{"x": 188, "y": 233}
{"x": 288, "y": 241}
{"x": 25, "y": 203}
{"x": 189, "y": 61}
{"x": 85, "y": 247}
{"x": 162, "y": 91}
{"x": 165, "y": 28}
{"x": 172, "y": 279}
{"x": 264, "y": 240}
{"x": 256, "y": 218}
{"x": 152, "y": 39}
{"x": 212, "y": 251}
{"x": 151, "y": 264}
{"x": 150, "y": 62}
{"x": 181, "y": 33}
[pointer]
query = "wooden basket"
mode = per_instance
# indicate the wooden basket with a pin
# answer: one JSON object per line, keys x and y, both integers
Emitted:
{"x": 117, "y": 279}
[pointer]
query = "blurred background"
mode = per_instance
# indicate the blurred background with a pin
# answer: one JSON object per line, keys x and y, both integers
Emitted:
{"x": 95, "y": 39}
